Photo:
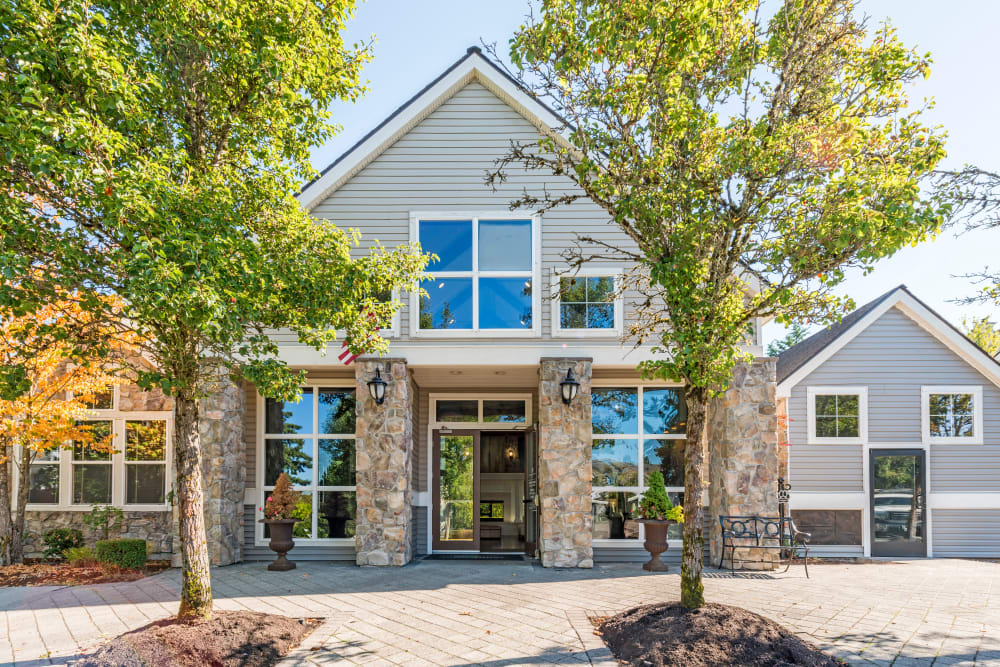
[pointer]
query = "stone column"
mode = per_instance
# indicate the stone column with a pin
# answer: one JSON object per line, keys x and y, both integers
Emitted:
{"x": 384, "y": 464}
{"x": 564, "y": 468}
{"x": 224, "y": 469}
{"x": 743, "y": 454}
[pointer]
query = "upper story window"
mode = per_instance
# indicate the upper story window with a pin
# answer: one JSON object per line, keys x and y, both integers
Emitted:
{"x": 588, "y": 304}
{"x": 313, "y": 442}
{"x": 952, "y": 415}
{"x": 636, "y": 430}
{"x": 837, "y": 415}
{"x": 484, "y": 277}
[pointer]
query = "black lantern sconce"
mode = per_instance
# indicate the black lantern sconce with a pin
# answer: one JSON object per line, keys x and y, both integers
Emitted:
{"x": 377, "y": 386}
{"x": 570, "y": 386}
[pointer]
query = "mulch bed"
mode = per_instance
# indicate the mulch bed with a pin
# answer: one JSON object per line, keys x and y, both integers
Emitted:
{"x": 66, "y": 574}
{"x": 229, "y": 639}
{"x": 716, "y": 634}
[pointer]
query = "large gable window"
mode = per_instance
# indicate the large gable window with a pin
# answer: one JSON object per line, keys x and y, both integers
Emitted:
{"x": 952, "y": 415}
{"x": 484, "y": 276}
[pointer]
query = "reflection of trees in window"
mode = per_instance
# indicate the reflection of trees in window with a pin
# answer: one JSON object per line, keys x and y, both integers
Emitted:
{"x": 951, "y": 415}
{"x": 339, "y": 471}
{"x": 336, "y": 513}
{"x": 427, "y": 315}
{"x": 292, "y": 457}
{"x": 668, "y": 458}
{"x": 338, "y": 409}
{"x": 613, "y": 408}
{"x": 664, "y": 411}
{"x": 456, "y": 487}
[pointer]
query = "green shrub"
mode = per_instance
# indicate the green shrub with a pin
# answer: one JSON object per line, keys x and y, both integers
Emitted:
{"x": 59, "y": 540}
{"x": 103, "y": 518}
{"x": 80, "y": 555}
{"x": 655, "y": 503}
{"x": 125, "y": 553}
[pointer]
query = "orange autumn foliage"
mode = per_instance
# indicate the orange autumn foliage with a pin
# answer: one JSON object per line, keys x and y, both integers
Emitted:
{"x": 62, "y": 392}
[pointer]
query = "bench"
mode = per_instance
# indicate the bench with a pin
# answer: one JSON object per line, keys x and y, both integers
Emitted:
{"x": 763, "y": 532}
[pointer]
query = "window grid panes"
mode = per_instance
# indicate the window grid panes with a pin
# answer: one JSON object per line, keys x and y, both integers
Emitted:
{"x": 623, "y": 454}
{"x": 483, "y": 277}
{"x": 145, "y": 462}
{"x": 313, "y": 441}
{"x": 952, "y": 415}
{"x": 587, "y": 302}
{"x": 92, "y": 466}
{"x": 837, "y": 415}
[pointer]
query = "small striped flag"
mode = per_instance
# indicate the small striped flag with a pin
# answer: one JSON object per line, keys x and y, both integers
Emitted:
{"x": 346, "y": 356}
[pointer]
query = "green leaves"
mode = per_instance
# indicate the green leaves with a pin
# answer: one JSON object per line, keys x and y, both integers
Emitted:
{"x": 751, "y": 156}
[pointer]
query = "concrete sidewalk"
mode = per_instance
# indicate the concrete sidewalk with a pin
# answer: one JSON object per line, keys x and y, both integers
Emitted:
{"x": 501, "y": 614}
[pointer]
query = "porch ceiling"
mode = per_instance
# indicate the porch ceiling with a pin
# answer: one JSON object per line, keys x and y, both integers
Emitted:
{"x": 479, "y": 377}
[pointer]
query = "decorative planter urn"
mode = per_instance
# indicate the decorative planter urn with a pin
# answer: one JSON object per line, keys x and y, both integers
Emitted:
{"x": 656, "y": 543}
{"x": 281, "y": 543}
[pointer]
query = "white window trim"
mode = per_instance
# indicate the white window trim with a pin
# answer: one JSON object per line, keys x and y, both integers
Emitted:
{"x": 262, "y": 439}
{"x": 587, "y": 272}
{"x": 117, "y": 419}
{"x": 977, "y": 417}
{"x": 536, "y": 292}
{"x": 640, "y": 437}
{"x": 860, "y": 392}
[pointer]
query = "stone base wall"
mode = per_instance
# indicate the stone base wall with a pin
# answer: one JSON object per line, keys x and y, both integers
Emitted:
{"x": 384, "y": 462}
{"x": 154, "y": 527}
{"x": 564, "y": 466}
{"x": 743, "y": 454}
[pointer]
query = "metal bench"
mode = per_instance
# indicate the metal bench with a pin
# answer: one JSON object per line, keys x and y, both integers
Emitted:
{"x": 763, "y": 532}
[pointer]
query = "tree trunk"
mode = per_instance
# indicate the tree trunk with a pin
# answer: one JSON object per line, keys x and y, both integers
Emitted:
{"x": 693, "y": 552}
{"x": 6, "y": 523}
{"x": 196, "y": 586}
{"x": 23, "y": 482}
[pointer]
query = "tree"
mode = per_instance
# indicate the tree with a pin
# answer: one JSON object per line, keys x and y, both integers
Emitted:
{"x": 795, "y": 335}
{"x": 983, "y": 333}
{"x": 151, "y": 151}
{"x": 749, "y": 158}
{"x": 42, "y": 412}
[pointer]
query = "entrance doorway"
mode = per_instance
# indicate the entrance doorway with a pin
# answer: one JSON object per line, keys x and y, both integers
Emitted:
{"x": 898, "y": 502}
{"x": 484, "y": 491}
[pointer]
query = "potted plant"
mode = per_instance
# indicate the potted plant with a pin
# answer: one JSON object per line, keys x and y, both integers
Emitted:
{"x": 279, "y": 516}
{"x": 658, "y": 514}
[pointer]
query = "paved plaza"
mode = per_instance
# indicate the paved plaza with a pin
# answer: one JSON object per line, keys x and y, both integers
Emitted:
{"x": 501, "y": 614}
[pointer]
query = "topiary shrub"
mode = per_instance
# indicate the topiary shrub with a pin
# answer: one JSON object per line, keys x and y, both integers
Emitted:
{"x": 127, "y": 553}
{"x": 655, "y": 503}
{"x": 59, "y": 540}
{"x": 282, "y": 501}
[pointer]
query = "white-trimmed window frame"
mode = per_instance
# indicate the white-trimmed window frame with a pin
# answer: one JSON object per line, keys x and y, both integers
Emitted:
{"x": 535, "y": 331}
{"x": 860, "y": 392}
{"x": 641, "y": 439}
{"x": 977, "y": 417}
{"x": 118, "y": 463}
{"x": 314, "y": 488}
{"x": 616, "y": 331}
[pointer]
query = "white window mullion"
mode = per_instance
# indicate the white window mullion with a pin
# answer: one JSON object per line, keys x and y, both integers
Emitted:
{"x": 118, "y": 463}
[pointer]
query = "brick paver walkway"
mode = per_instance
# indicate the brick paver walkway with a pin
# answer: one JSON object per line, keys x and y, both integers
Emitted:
{"x": 940, "y": 612}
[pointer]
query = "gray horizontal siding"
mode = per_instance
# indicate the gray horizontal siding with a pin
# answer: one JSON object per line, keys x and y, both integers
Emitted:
{"x": 966, "y": 533}
{"x": 250, "y": 433}
{"x": 894, "y": 357}
{"x": 439, "y": 165}
{"x": 253, "y": 553}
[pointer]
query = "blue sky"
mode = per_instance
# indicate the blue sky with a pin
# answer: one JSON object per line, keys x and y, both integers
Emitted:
{"x": 415, "y": 41}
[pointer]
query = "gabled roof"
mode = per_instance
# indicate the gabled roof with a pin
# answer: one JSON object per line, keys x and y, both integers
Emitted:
{"x": 473, "y": 66}
{"x": 798, "y": 361}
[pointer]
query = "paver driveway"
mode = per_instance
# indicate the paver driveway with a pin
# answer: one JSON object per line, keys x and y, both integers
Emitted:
{"x": 504, "y": 614}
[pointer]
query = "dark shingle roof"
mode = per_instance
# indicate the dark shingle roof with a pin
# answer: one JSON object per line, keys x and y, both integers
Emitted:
{"x": 799, "y": 354}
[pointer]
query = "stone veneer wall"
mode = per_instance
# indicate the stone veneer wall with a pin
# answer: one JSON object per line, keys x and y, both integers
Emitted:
{"x": 384, "y": 462}
{"x": 224, "y": 469}
{"x": 154, "y": 527}
{"x": 564, "y": 466}
{"x": 743, "y": 453}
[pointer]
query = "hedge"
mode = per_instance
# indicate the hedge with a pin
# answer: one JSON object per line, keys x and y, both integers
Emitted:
{"x": 58, "y": 540}
{"x": 127, "y": 553}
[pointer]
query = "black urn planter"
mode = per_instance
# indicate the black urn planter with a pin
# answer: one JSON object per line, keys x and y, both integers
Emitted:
{"x": 281, "y": 543}
{"x": 656, "y": 543}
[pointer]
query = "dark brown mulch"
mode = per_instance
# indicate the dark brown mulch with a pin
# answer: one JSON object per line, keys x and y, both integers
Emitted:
{"x": 230, "y": 639}
{"x": 66, "y": 574}
{"x": 716, "y": 634}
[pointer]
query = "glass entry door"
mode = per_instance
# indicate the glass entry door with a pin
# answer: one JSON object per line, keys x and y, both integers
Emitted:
{"x": 456, "y": 490}
{"x": 898, "y": 504}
